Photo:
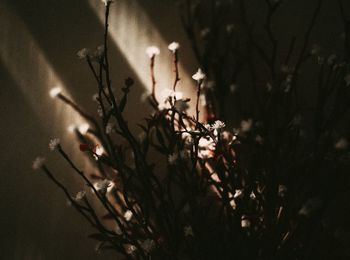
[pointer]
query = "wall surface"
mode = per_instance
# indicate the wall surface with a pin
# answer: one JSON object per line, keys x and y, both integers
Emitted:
{"x": 38, "y": 43}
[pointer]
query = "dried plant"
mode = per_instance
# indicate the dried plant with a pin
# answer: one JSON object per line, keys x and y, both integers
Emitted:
{"x": 260, "y": 191}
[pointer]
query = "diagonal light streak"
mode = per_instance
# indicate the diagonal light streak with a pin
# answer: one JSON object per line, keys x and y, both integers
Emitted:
{"x": 132, "y": 32}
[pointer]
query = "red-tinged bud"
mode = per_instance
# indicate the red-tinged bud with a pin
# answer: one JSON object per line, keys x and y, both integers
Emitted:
{"x": 84, "y": 147}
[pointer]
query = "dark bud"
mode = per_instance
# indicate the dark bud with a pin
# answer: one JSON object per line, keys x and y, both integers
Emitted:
{"x": 129, "y": 82}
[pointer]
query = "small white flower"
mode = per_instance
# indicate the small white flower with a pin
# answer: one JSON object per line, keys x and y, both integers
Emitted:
{"x": 54, "y": 92}
{"x": 217, "y": 125}
{"x": 130, "y": 249}
{"x": 38, "y": 163}
{"x": 128, "y": 215}
{"x": 83, "y": 53}
{"x": 282, "y": 190}
{"x": 205, "y": 32}
{"x": 238, "y": 194}
{"x": 106, "y": 2}
{"x": 109, "y": 128}
{"x": 95, "y": 97}
{"x": 215, "y": 177}
{"x": 102, "y": 186}
{"x": 54, "y": 143}
{"x": 172, "y": 159}
{"x": 100, "y": 50}
{"x": 206, "y": 148}
{"x": 199, "y": 75}
{"x": 168, "y": 93}
{"x": 341, "y": 144}
{"x": 245, "y": 223}
{"x": 174, "y": 46}
{"x": 100, "y": 111}
{"x": 152, "y": 51}
{"x": 71, "y": 128}
{"x": 80, "y": 195}
{"x": 147, "y": 245}
{"x": 246, "y": 125}
{"x": 259, "y": 139}
{"x": 142, "y": 136}
{"x": 83, "y": 128}
{"x": 188, "y": 231}
{"x": 252, "y": 196}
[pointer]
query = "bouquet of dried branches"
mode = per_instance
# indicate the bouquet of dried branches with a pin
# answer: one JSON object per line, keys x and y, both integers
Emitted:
{"x": 256, "y": 192}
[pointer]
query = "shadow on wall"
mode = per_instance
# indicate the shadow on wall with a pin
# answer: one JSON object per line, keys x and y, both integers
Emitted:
{"x": 38, "y": 51}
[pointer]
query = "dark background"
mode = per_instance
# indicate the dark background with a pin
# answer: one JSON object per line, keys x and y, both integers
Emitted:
{"x": 38, "y": 43}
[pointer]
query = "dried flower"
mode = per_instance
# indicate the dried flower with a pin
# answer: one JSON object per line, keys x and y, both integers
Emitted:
{"x": 54, "y": 92}
{"x": 80, "y": 195}
{"x": 238, "y": 194}
{"x": 341, "y": 144}
{"x": 152, "y": 51}
{"x": 282, "y": 190}
{"x": 206, "y": 148}
{"x": 128, "y": 215}
{"x": 71, "y": 128}
{"x": 130, "y": 249}
{"x": 199, "y": 76}
{"x": 252, "y": 195}
{"x": 38, "y": 163}
{"x": 172, "y": 158}
{"x": 83, "y": 53}
{"x": 147, "y": 245}
{"x": 109, "y": 128}
{"x": 174, "y": 46}
{"x": 106, "y": 2}
{"x": 54, "y": 143}
{"x": 102, "y": 186}
{"x": 259, "y": 139}
{"x": 217, "y": 125}
{"x": 245, "y": 223}
{"x": 83, "y": 128}
{"x": 166, "y": 96}
{"x": 246, "y": 125}
{"x": 188, "y": 231}
{"x": 205, "y": 32}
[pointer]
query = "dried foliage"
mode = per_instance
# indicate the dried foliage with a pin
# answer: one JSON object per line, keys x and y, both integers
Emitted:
{"x": 260, "y": 191}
